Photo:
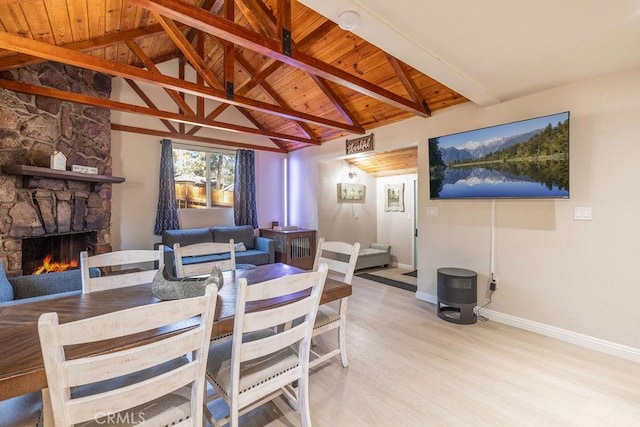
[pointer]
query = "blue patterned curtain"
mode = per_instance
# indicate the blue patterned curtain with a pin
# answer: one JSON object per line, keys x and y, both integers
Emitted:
{"x": 167, "y": 214}
{"x": 244, "y": 189}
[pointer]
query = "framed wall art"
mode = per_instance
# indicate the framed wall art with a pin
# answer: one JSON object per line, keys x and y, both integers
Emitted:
{"x": 394, "y": 198}
{"x": 351, "y": 193}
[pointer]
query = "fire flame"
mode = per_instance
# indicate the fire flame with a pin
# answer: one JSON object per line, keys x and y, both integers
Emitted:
{"x": 50, "y": 267}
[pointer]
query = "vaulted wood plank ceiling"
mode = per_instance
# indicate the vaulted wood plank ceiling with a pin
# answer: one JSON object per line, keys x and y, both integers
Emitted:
{"x": 322, "y": 84}
{"x": 387, "y": 163}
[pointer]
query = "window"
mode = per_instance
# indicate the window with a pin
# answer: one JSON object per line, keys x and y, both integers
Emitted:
{"x": 203, "y": 178}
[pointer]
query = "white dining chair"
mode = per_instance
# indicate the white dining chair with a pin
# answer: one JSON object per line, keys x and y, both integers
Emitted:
{"x": 208, "y": 254}
{"x": 141, "y": 258}
{"x": 158, "y": 383}
{"x": 340, "y": 257}
{"x": 263, "y": 359}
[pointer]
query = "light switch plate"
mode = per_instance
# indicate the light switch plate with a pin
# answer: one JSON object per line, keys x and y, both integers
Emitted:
{"x": 582, "y": 213}
{"x": 432, "y": 211}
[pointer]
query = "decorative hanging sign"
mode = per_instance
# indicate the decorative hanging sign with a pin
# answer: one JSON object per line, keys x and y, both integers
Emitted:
{"x": 360, "y": 145}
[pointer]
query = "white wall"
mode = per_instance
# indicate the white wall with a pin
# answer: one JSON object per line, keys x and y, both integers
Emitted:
{"x": 397, "y": 228}
{"x": 137, "y": 158}
{"x": 573, "y": 275}
{"x": 345, "y": 221}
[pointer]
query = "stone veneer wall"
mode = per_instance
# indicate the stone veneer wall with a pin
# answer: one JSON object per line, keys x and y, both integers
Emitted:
{"x": 31, "y": 129}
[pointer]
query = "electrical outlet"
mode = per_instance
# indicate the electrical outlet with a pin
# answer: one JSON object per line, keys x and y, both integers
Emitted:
{"x": 493, "y": 285}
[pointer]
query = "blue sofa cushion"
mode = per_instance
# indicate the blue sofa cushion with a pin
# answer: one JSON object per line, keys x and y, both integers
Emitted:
{"x": 187, "y": 236}
{"x": 241, "y": 233}
{"x": 50, "y": 283}
{"x": 253, "y": 256}
{"x": 250, "y": 256}
{"x": 190, "y": 260}
{"x": 6, "y": 290}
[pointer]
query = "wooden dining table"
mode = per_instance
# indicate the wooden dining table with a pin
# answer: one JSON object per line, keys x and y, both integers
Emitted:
{"x": 21, "y": 366}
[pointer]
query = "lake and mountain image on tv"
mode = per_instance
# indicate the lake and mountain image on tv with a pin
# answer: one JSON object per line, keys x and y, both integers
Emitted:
{"x": 525, "y": 159}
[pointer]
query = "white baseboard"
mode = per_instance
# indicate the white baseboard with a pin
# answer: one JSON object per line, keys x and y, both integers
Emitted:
{"x": 405, "y": 266}
{"x": 603, "y": 346}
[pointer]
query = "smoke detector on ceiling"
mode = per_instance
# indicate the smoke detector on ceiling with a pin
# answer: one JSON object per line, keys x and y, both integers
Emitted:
{"x": 348, "y": 20}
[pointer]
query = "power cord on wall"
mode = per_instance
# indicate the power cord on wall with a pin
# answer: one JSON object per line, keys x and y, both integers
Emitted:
{"x": 492, "y": 289}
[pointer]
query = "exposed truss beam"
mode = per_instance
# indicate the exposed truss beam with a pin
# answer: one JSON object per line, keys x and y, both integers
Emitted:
{"x": 177, "y": 98}
{"x": 190, "y": 53}
{"x": 220, "y": 27}
{"x": 136, "y": 109}
{"x": 274, "y": 95}
{"x": 22, "y": 60}
{"x": 334, "y": 98}
{"x": 407, "y": 82}
{"x": 229, "y": 54}
{"x": 179, "y": 136}
{"x": 257, "y": 18}
{"x": 55, "y": 53}
{"x": 149, "y": 103}
{"x": 257, "y": 124}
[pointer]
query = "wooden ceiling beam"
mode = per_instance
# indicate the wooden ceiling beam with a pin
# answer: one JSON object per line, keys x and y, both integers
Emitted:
{"x": 249, "y": 117}
{"x": 257, "y": 18}
{"x": 181, "y": 95}
{"x": 311, "y": 38}
{"x": 315, "y": 35}
{"x": 200, "y": 100}
{"x": 146, "y": 111}
{"x": 215, "y": 113}
{"x": 240, "y": 36}
{"x": 257, "y": 78}
{"x": 335, "y": 99}
{"x": 22, "y": 60}
{"x": 217, "y": 6}
{"x": 184, "y": 137}
{"x": 188, "y": 51}
{"x": 79, "y": 59}
{"x": 242, "y": 89}
{"x": 138, "y": 90}
{"x": 407, "y": 82}
{"x": 229, "y": 53}
{"x": 284, "y": 26}
{"x": 148, "y": 63}
{"x": 210, "y": 5}
{"x": 275, "y": 96}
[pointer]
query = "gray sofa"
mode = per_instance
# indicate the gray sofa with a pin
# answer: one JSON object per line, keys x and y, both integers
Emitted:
{"x": 259, "y": 250}
{"x": 22, "y": 289}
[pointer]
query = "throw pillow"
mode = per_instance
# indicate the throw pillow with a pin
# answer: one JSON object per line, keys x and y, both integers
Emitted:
{"x": 6, "y": 290}
{"x": 240, "y": 247}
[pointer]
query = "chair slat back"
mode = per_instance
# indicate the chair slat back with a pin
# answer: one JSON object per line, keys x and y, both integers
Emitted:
{"x": 201, "y": 249}
{"x": 345, "y": 267}
{"x": 62, "y": 374}
{"x": 308, "y": 285}
{"x": 118, "y": 259}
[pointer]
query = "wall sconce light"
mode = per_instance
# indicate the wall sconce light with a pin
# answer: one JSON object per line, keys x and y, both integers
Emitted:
{"x": 348, "y": 20}
{"x": 352, "y": 175}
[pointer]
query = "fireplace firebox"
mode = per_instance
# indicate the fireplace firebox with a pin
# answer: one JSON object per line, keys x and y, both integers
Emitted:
{"x": 54, "y": 253}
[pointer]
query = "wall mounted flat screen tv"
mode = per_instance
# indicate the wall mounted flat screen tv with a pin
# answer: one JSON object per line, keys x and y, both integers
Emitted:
{"x": 525, "y": 159}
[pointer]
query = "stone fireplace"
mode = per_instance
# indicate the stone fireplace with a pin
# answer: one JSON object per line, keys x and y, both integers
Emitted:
{"x": 70, "y": 215}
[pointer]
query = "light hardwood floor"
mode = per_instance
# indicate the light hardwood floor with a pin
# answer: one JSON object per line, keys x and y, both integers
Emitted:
{"x": 407, "y": 367}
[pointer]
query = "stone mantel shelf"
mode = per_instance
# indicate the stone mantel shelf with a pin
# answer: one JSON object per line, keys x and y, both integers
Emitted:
{"x": 41, "y": 172}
